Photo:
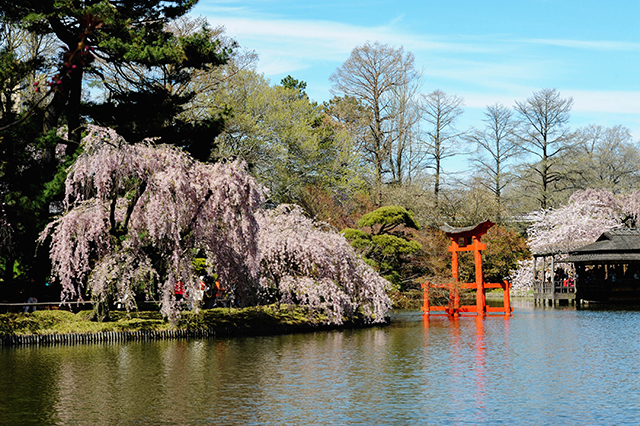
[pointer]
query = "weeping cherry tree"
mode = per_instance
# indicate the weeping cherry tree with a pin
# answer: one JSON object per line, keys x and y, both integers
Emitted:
{"x": 136, "y": 215}
{"x": 306, "y": 263}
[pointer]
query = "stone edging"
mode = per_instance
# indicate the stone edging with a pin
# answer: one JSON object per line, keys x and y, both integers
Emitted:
{"x": 149, "y": 335}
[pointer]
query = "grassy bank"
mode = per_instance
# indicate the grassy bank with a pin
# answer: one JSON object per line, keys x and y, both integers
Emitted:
{"x": 64, "y": 322}
{"x": 260, "y": 318}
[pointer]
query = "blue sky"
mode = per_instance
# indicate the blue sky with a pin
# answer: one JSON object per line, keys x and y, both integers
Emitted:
{"x": 482, "y": 51}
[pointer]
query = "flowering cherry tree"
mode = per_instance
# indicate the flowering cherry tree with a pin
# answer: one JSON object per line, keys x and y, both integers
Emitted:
{"x": 137, "y": 215}
{"x": 521, "y": 278}
{"x": 587, "y": 215}
{"x": 306, "y": 263}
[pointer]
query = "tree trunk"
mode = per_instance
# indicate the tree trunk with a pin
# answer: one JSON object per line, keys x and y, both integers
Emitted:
{"x": 436, "y": 187}
{"x": 73, "y": 110}
{"x": 9, "y": 263}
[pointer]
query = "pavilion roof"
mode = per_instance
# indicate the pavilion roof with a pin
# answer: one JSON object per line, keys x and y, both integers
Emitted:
{"x": 613, "y": 245}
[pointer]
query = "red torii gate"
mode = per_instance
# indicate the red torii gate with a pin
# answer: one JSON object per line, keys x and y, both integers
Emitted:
{"x": 467, "y": 239}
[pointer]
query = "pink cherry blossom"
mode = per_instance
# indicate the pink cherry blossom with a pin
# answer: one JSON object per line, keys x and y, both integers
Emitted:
{"x": 310, "y": 264}
{"x": 586, "y": 216}
{"x": 581, "y": 221}
{"x": 137, "y": 215}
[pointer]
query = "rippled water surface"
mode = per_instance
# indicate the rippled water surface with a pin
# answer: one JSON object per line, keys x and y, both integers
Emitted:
{"x": 540, "y": 366}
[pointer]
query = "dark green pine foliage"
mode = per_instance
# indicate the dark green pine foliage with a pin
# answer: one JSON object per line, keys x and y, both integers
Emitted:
{"x": 27, "y": 181}
{"x": 295, "y": 84}
{"x": 384, "y": 241}
{"x": 92, "y": 35}
{"x": 125, "y": 34}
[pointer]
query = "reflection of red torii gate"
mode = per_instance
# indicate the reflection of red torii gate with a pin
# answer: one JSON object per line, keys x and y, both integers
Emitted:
{"x": 467, "y": 239}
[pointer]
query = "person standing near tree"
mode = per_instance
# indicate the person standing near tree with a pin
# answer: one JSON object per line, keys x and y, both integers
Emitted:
{"x": 31, "y": 299}
{"x": 179, "y": 290}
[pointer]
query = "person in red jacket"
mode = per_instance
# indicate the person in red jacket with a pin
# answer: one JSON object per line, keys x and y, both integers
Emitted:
{"x": 179, "y": 290}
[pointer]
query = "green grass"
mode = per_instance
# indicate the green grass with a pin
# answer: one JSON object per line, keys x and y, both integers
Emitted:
{"x": 64, "y": 322}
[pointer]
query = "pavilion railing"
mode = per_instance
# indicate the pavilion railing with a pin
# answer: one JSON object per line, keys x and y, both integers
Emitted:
{"x": 548, "y": 287}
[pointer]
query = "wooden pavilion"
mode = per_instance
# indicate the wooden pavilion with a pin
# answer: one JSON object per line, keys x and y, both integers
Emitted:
{"x": 608, "y": 270}
{"x": 550, "y": 282}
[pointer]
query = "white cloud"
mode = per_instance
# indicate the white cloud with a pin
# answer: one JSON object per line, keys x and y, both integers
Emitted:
{"x": 503, "y": 76}
{"x": 331, "y": 40}
{"x": 602, "y": 45}
{"x": 609, "y": 102}
{"x": 618, "y": 102}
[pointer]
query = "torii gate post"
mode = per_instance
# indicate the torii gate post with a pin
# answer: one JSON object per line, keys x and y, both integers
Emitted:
{"x": 467, "y": 239}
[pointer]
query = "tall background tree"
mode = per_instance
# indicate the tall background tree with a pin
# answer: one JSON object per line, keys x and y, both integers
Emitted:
{"x": 604, "y": 158}
{"x": 287, "y": 140}
{"x": 545, "y": 135}
{"x": 497, "y": 146}
{"x": 406, "y": 156}
{"x": 440, "y": 112}
{"x": 378, "y": 77}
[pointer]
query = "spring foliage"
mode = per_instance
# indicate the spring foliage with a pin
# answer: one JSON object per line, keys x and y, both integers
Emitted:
{"x": 137, "y": 216}
{"x": 315, "y": 267}
{"x": 581, "y": 221}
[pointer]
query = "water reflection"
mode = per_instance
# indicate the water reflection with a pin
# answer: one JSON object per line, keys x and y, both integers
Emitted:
{"x": 467, "y": 370}
{"x": 468, "y": 365}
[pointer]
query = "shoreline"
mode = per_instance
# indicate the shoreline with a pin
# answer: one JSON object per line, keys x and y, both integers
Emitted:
{"x": 66, "y": 328}
{"x": 155, "y": 335}
{"x": 60, "y": 327}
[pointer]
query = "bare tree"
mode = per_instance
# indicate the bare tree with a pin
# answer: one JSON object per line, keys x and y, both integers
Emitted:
{"x": 441, "y": 111}
{"x": 465, "y": 201}
{"x": 545, "y": 135}
{"x": 374, "y": 74}
{"x": 406, "y": 155}
{"x": 497, "y": 145}
{"x": 605, "y": 158}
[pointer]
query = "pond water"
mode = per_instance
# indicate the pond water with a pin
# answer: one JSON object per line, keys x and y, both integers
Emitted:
{"x": 540, "y": 366}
